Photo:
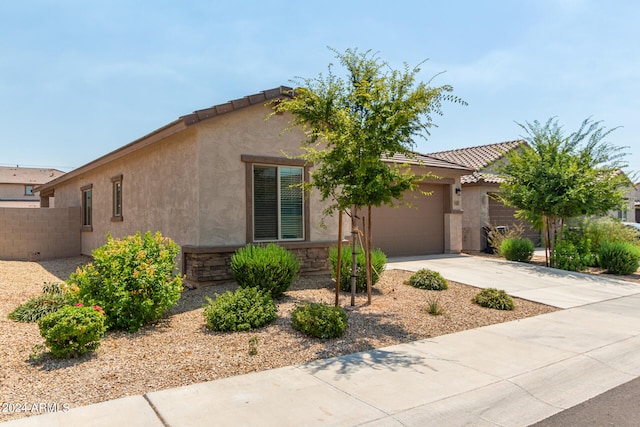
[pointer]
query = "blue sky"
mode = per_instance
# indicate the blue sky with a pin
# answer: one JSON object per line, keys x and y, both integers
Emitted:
{"x": 79, "y": 79}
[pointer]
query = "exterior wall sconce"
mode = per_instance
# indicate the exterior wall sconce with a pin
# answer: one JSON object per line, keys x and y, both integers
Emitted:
{"x": 458, "y": 191}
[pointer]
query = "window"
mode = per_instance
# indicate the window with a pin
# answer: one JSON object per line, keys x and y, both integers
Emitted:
{"x": 28, "y": 190}
{"x": 116, "y": 211}
{"x": 278, "y": 205}
{"x": 86, "y": 207}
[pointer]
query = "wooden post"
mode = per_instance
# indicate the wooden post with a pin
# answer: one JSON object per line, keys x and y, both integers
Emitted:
{"x": 368, "y": 243}
{"x": 339, "y": 258}
{"x": 354, "y": 253}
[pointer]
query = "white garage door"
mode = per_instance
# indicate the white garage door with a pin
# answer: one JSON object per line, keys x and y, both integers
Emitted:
{"x": 417, "y": 230}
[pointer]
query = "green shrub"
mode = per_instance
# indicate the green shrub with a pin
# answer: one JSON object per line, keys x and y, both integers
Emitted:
{"x": 319, "y": 320}
{"x": 54, "y": 297}
{"x": 378, "y": 262}
{"x": 242, "y": 310}
{"x": 619, "y": 257}
{"x": 271, "y": 268}
{"x": 434, "y": 308}
{"x": 587, "y": 233}
{"x": 494, "y": 298}
{"x": 73, "y": 330}
{"x": 428, "y": 279}
{"x": 571, "y": 258}
{"x": 496, "y": 235}
{"x": 517, "y": 249}
{"x": 132, "y": 279}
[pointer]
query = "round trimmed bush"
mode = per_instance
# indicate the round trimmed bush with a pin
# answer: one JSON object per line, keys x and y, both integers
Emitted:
{"x": 271, "y": 268}
{"x": 132, "y": 279}
{"x": 378, "y": 263}
{"x": 494, "y": 298}
{"x": 319, "y": 320}
{"x": 517, "y": 249}
{"x": 73, "y": 330}
{"x": 619, "y": 257}
{"x": 428, "y": 279}
{"x": 242, "y": 310}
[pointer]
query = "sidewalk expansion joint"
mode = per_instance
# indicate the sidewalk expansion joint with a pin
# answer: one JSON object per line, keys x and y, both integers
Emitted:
{"x": 155, "y": 410}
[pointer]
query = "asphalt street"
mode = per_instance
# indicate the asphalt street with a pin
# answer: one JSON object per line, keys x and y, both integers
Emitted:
{"x": 619, "y": 407}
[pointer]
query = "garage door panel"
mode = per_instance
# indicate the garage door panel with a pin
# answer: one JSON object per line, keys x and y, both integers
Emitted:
{"x": 416, "y": 230}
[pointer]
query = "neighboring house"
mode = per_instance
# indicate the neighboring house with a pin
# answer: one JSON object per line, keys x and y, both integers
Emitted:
{"x": 17, "y": 185}
{"x": 219, "y": 178}
{"x": 636, "y": 199}
{"x": 628, "y": 213}
{"x": 480, "y": 209}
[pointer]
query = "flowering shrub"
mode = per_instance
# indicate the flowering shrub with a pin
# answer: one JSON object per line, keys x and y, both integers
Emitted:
{"x": 73, "y": 330}
{"x": 242, "y": 310}
{"x": 131, "y": 279}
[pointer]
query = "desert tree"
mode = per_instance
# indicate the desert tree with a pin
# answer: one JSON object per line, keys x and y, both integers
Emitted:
{"x": 354, "y": 123}
{"x": 557, "y": 176}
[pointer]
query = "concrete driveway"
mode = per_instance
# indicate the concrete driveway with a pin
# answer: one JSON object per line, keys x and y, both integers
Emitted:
{"x": 558, "y": 288}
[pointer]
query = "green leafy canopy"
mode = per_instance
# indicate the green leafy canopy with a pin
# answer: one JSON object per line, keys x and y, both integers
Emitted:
{"x": 564, "y": 176}
{"x": 353, "y": 123}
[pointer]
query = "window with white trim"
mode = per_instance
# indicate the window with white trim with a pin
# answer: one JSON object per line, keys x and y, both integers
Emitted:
{"x": 278, "y": 203}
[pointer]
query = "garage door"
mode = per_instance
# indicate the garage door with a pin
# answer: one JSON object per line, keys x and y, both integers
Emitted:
{"x": 501, "y": 215}
{"x": 417, "y": 230}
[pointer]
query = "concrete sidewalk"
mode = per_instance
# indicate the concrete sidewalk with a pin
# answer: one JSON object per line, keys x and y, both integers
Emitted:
{"x": 509, "y": 374}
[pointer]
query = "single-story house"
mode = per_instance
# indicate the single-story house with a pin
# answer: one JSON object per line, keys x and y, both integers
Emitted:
{"x": 481, "y": 210}
{"x": 17, "y": 185}
{"x": 636, "y": 202}
{"x": 219, "y": 178}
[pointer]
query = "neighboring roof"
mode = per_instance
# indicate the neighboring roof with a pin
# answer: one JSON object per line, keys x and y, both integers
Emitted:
{"x": 428, "y": 160}
{"x": 33, "y": 176}
{"x": 169, "y": 129}
{"x": 478, "y": 159}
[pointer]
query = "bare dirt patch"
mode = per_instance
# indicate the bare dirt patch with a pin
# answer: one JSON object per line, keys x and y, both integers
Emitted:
{"x": 179, "y": 350}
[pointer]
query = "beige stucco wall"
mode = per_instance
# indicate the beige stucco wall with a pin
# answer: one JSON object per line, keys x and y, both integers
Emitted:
{"x": 191, "y": 185}
{"x": 12, "y": 195}
{"x": 159, "y": 193}
{"x": 475, "y": 206}
{"x": 222, "y": 175}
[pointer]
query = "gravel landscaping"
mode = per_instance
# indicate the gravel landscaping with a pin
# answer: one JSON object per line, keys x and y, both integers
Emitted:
{"x": 179, "y": 350}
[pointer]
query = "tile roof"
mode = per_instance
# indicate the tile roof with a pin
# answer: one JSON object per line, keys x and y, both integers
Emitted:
{"x": 236, "y": 104}
{"x": 35, "y": 176}
{"x": 427, "y": 160}
{"x": 479, "y": 159}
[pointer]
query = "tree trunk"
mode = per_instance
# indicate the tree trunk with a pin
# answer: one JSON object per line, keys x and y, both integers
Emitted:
{"x": 368, "y": 245}
{"x": 339, "y": 264}
{"x": 551, "y": 233}
{"x": 354, "y": 253}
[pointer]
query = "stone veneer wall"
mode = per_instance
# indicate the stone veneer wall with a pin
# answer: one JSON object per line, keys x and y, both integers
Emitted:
{"x": 212, "y": 264}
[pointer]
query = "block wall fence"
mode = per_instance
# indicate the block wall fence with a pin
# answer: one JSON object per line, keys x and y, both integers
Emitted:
{"x": 34, "y": 234}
